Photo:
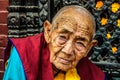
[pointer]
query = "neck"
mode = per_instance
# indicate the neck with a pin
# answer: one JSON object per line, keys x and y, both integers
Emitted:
{"x": 55, "y": 70}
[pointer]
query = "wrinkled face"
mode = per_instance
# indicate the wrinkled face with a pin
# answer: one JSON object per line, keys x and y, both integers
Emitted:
{"x": 69, "y": 42}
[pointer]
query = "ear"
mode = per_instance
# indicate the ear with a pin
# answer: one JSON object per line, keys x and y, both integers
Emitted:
{"x": 92, "y": 44}
{"x": 47, "y": 28}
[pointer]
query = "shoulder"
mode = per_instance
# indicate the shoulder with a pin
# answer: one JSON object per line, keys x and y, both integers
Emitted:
{"x": 28, "y": 44}
{"x": 23, "y": 44}
{"x": 88, "y": 70}
{"x": 29, "y": 39}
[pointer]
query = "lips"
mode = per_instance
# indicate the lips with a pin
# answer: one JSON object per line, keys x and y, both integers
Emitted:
{"x": 65, "y": 61}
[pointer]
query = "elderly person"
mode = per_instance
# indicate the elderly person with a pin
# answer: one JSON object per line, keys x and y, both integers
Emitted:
{"x": 60, "y": 53}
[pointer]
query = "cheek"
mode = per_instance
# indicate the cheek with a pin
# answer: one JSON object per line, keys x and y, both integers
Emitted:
{"x": 55, "y": 43}
{"x": 79, "y": 56}
{"x": 54, "y": 49}
{"x": 55, "y": 46}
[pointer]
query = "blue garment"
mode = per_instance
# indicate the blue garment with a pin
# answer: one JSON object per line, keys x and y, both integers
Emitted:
{"x": 14, "y": 69}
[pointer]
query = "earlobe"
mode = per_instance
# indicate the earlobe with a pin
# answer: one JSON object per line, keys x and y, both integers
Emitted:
{"x": 94, "y": 42}
{"x": 47, "y": 28}
{"x": 47, "y": 25}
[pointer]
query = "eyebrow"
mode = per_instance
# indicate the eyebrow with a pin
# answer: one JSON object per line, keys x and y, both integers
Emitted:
{"x": 65, "y": 31}
{"x": 82, "y": 38}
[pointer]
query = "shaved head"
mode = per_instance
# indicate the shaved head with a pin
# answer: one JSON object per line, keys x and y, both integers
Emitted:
{"x": 78, "y": 9}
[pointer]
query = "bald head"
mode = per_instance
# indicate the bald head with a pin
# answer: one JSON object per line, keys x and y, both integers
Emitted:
{"x": 68, "y": 12}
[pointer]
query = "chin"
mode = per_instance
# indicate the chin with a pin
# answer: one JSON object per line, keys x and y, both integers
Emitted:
{"x": 63, "y": 67}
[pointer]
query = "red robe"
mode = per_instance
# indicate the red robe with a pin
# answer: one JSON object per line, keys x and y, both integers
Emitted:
{"x": 34, "y": 54}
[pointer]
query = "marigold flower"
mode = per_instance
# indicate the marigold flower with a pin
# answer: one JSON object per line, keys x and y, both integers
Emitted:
{"x": 104, "y": 21}
{"x": 114, "y": 49}
{"x": 118, "y": 23}
{"x": 99, "y": 4}
{"x": 108, "y": 35}
{"x": 115, "y": 7}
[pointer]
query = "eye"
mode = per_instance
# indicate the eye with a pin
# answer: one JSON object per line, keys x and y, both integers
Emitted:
{"x": 79, "y": 45}
{"x": 62, "y": 39}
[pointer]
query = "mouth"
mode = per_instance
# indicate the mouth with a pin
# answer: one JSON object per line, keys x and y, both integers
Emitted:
{"x": 65, "y": 61}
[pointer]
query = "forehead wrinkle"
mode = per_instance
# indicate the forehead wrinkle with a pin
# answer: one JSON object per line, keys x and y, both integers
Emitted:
{"x": 73, "y": 21}
{"x": 84, "y": 29}
{"x": 83, "y": 32}
{"x": 66, "y": 21}
{"x": 65, "y": 30}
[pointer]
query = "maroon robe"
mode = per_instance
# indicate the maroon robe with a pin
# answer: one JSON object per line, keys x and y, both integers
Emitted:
{"x": 34, "y": 54}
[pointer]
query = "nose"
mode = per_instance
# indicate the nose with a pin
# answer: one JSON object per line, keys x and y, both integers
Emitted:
{"x": 68, "y": 48}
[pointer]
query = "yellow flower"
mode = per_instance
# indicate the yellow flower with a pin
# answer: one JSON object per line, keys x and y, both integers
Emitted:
{"x": 118, "y": 23}
{"x": 114, "y": 49}
{"x": 99, "y": 4}
{"x": 104, "y": 21}
{"x": 108, "y": 35}
{"x": 115, "y": 7}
